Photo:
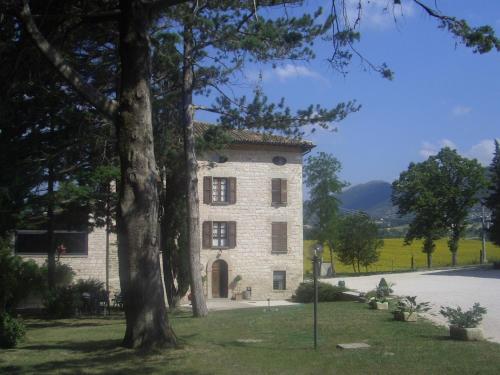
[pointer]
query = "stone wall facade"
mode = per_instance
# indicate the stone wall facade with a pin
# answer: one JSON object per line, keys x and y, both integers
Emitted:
{"x": 93, "y": 264}
{"x": 251, "y": 258}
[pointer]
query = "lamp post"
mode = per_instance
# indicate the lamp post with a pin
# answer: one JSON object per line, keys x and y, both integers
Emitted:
{"x": 318, "y": 249}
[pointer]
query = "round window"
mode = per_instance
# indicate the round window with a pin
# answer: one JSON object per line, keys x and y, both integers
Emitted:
{"x": 279, "y": 160}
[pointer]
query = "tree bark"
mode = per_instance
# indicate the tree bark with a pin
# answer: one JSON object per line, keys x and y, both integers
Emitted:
{"x": 51, "y": 253}
{"x": 140, "y": 276}
{"x": 197, "y": 296}
{"x": 429, "y": 260}
{"x": 137, "y": 219}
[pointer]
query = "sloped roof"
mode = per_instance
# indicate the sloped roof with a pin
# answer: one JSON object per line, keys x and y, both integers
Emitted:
{"x": 239, "y": 136}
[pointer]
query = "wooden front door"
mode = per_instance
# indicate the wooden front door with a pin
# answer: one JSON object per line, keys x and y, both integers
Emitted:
{"x": 219, "y": 279}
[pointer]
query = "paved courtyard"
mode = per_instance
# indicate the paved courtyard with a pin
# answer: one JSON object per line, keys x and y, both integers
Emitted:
{"x": 454, "y": 287}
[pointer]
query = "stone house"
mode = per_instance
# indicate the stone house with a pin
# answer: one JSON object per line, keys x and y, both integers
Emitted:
{"x": 250, "y": 222}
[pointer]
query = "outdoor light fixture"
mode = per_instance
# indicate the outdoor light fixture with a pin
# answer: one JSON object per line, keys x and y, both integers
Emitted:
{"x": 318, "y": 250}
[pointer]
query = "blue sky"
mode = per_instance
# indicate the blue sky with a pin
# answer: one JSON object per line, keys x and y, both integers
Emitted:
{"x": 442, "y": 94}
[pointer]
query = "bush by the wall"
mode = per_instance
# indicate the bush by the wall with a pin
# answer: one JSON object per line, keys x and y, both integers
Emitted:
{"x": 61, "y": 302}
{"x": 63, "y": 274}
{"x": 18, "y": 278}
{"x": 90, "y": 293}
{"x": 11, "y": 331}
{"x": 326, "y": 292}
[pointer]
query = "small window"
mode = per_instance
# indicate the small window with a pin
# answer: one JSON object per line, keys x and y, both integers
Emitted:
{"x": 219, "y": 234}
{"x": 279, "y": 160}
{"x": 278, "y": 192}
{"x": 279, "y": 280}
{"x": 219, "y": 190}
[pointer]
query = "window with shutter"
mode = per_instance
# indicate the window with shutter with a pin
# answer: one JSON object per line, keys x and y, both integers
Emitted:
{"x": 207, "y": 235}
{"x": 279, "y": 237}
{"x": 222, "y": 234}
{"x": 278, "y": 192}
{"x": 279, "y": 280}
{"x": 219, "y": 190}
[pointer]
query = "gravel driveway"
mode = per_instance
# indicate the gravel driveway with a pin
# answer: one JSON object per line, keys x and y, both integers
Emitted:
{"x": 453, "y": 287}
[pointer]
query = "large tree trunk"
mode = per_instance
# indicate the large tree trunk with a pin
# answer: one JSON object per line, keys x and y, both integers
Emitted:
{"x": 51, "y": 251}
{"x": 140, "y": 276}
{"x": 429, "y": 260}
{"x": 197, "y": 296}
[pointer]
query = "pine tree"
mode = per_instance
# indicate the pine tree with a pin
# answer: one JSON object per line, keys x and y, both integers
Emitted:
{"x": 493, "y": 200}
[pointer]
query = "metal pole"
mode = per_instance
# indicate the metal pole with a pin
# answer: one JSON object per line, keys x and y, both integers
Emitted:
{"x": 315, "y": 270}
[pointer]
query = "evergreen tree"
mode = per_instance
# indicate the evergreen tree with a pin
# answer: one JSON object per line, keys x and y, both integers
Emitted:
{"x": 321, "y": 177}
{"x": 493, "y": 200}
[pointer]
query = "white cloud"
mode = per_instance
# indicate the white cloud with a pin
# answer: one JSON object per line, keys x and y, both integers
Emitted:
{"x": 482, "y": 151}
{"x": 379, "y": 14}
{"x": 294, "y": 71}
{"x": 284, "y": 73}
{"x": 461, "y": 110}
{"x": 430, "y": 149}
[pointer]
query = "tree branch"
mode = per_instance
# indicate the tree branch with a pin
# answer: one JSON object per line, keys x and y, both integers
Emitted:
{"x": 106, "y": 106}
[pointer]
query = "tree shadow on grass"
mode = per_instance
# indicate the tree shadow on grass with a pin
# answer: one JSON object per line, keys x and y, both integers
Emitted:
{"x": 101, "y": 356}
{"x": 58, "y": 323}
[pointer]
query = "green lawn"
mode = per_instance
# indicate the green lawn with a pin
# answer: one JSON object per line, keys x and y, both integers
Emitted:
{"x": 210, "y": 346}
{"x": 394, "y": 256}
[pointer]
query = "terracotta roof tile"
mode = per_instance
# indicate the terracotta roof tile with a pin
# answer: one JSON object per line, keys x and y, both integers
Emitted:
{"x": 249, "y": 137}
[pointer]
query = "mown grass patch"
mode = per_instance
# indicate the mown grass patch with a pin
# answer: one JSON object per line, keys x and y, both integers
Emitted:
{"x": 395, "y": 256}
{"x": 282, "y": 344}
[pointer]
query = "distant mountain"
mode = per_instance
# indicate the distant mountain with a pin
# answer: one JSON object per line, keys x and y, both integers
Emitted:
{"x": 373, "y": 197}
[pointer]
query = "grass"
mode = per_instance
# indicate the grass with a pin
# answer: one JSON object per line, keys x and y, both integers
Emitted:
{"x": 394, "y": 256}
{"x": 210, "y": 346}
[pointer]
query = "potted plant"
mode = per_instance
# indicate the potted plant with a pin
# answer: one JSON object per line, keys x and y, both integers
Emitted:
{"x": 377, "y": 303}
{"x": 237, "y": 295}
{"x": 463, "y": 324}
{"x": 407, "y": 309}
{"x": 382, "y": 291}
{"x": 384, "y": 288}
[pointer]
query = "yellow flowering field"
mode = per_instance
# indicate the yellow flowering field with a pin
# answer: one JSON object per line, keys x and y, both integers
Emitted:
{"x": 394, "y": 255}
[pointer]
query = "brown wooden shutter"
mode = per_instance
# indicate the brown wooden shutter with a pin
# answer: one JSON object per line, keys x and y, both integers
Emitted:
{"x": 232, "y": 190}
{"x": 275, "y": 191}
{"x": 207, "y": 190}
{"x": 283, "y": 192}
{"x": 279, "y": 238}
{"x": 231, "y": 234}
{"x": 283, "y": 239}
{"x": 207, "y": 235}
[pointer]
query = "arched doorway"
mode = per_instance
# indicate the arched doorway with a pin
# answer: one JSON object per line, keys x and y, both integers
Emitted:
{"x": 219, "y": 279}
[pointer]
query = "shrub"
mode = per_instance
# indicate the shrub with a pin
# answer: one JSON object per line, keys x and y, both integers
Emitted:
{"x": 464, "y": 319}
{"x": 17, "y": 278}
{"x": 326, "y": 292}
{"x": 11, "y": 331}
{"x": 63, "y": 274}
{"x": 384, "y": 289}
{"x": 409, "y": 305}
{"x": 89, "y": 293}
{"x": 61, "y": 302}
